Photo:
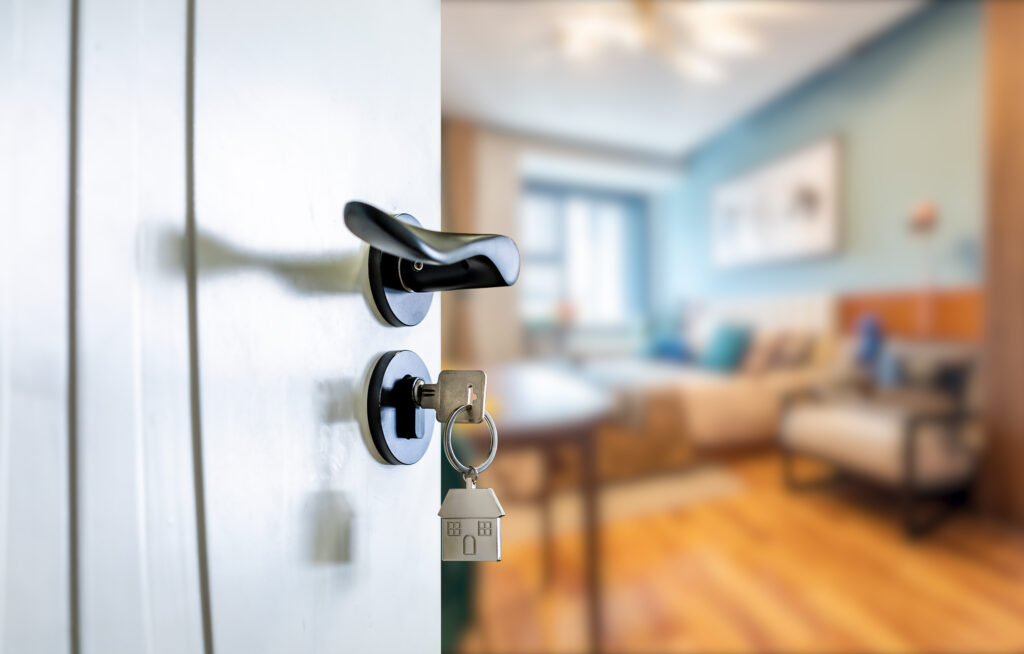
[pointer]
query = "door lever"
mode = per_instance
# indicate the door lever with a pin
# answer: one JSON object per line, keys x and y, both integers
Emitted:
{"x": 408, "y": 263}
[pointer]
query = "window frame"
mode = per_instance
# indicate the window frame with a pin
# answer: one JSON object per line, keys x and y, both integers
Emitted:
{"x": 637, "y": 206}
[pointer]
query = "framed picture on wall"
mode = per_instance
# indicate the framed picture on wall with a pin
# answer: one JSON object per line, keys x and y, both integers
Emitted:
{"x": 787, "y": 209}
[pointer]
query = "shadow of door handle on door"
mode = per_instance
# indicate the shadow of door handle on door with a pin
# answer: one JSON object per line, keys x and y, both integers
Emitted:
{"x": 408, "y": 263}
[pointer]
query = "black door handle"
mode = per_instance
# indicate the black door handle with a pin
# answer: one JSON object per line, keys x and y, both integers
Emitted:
{"x": 407, "y": 262}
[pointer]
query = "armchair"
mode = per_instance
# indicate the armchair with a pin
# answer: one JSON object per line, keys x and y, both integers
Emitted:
{"x": 922, "y": 445}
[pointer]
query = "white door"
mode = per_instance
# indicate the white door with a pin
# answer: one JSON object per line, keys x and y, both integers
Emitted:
{"x": 185, "y": 335}
{"x": 300, "y": 107}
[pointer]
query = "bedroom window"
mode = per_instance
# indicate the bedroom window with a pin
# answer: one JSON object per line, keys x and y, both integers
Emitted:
{"x": 583, "y": 258}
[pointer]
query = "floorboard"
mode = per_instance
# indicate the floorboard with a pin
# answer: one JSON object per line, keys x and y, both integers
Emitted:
{"x": 764, "y": 569}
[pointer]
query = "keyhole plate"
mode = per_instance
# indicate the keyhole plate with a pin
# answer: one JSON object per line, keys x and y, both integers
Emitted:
{"x": 399, "y": 428}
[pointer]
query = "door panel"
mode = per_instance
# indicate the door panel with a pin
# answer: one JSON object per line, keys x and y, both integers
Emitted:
{"x": 123, "y": 465}
{"x": 137, "y": 545}
{"x": 314, "y": 545}
{"x": 34, "y": 499}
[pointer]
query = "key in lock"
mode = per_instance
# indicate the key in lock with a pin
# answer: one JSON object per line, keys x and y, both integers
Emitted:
{"x": 453, "y": 390}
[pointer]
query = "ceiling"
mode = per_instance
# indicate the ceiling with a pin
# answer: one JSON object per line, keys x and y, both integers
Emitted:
{"x": 641, "y": 75}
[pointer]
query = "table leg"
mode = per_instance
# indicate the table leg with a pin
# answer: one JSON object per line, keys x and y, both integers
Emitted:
{"x": 592, "y": 541}
{"x": 547, "y": 533}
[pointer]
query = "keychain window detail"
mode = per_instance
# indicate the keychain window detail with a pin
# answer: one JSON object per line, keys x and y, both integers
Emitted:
{"x": 456, "y": 545}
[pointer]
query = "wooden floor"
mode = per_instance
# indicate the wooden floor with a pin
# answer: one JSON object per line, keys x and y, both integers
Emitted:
{"x": 766, "y": 570}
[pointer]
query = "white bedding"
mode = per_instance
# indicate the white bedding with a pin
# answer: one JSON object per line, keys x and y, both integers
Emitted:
{"x": 720, "y": 409}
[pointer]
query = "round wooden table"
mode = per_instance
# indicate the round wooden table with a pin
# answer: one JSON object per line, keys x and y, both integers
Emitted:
{"x": 544, "y": 408}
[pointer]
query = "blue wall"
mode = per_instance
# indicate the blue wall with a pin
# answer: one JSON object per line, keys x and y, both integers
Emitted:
{"x": 908, "y": 110}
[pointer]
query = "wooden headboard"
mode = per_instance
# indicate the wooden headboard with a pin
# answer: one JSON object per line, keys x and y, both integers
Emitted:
{"x": 955, "y": 314}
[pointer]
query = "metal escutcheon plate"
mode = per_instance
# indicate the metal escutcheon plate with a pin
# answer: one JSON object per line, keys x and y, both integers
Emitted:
{"x": 399, "y": 428}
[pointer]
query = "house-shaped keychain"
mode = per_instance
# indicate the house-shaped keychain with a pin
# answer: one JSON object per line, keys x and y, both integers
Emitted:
{"x": 471, "y": 525}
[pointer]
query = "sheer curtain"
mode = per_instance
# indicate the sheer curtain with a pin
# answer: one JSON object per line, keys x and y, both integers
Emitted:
{"x": 583, "y": 258}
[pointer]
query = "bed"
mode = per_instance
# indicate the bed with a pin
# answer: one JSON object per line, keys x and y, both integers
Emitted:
{"x": 669, "y": 413}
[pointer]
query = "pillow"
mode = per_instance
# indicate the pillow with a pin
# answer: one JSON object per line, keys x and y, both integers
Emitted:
{"x": 954, "y": 379}
{"x": 795, "y": 350}
{"x": 889, "y": 370}
{"x": 726, "y": 348}
{"x": 934, "y": 367}
{"x": 670, "y": 348}
{"x": 870, "y": 341}
{"x": 761, "y": 353}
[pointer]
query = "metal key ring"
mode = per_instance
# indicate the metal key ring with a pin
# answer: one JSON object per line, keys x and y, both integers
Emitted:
{"x": 450, "y": 453}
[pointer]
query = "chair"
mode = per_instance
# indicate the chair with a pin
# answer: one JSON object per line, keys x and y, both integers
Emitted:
{"x": 917, "y": 440}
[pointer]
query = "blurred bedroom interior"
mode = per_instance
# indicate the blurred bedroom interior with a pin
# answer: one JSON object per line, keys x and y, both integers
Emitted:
{"x": 750, "y": 381}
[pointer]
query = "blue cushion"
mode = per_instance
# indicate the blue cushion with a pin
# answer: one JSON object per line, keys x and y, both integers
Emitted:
{"x": 670, "y": 348}
{"x": 726, "y": 349}
{"x": 870, "y": 341}
{"x": 889, "y": 372}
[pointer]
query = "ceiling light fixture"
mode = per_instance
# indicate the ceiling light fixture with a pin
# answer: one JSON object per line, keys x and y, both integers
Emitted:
{"x": 698, "y": 68}
{"x": 709, "y": 37}
{"x": 724, "y": 39}
{"x": 587, "y": 36}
